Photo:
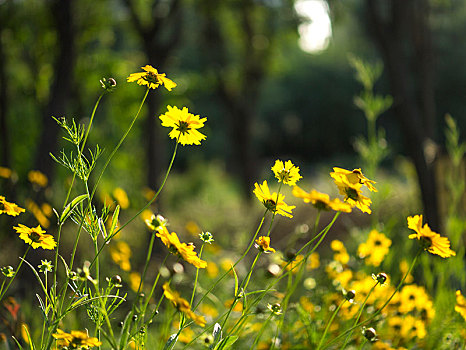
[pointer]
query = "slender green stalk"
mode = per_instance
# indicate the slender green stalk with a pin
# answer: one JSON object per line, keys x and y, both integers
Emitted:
{"x": 361, "y": 307}
{"x": 153, "y": 287}
{"x": 14, "y": 275}
{"x": 362, "y": 344}
{"x": 197, "y": 277}
{"x": 144, "y": 207}
{"x": 259, "y": 335}
{"x": 321, "y": 235}
{"x": 375, "y": 314}
{"x": 329, "y": 323}
{"x": 80, "y": 152}
{"x": 236, "y": 263}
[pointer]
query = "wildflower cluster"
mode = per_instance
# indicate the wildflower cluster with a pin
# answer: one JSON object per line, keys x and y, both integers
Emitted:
{"x": 344, "y": 294}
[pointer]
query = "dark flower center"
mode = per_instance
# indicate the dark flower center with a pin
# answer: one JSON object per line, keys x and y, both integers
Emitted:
{"x": 183, "y": 127}
{"x": 35, "y": 237}
{"x": 351, "y": 193}
{"x": 270, "y": 204}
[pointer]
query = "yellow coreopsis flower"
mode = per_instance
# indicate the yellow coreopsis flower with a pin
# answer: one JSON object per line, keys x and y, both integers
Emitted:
{"x": 352, "y": 192}
{"x": 431, "y": 241}
{"x": 182, "y": 304}
{"x": 35, "y": 237}
{"x": 263, "y": 243}
{"x": 120, "y": 252}
{"x": 9, "y": 208}
{"x": 412, "y": 297}
{"x": 353, "y": 177}
{"x": 184, "y": 125}
{"x": 151, "y": 78}
{"x": 287, "y": 173}
{"x": 375, "y": 248}
{"x": 38, "y": 178}
{"x": 321, "y": 201}
{"x": 75, "y": 340}
{"x": 272, "y": 201}
{"x": 121, "y": 197}
{"x": 460, "y": 304}
{"x": 341, "y": 254}
{"x": 186, "y": 251}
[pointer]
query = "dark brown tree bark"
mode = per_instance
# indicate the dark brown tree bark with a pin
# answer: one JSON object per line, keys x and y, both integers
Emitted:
{"x": 400, "y": 29}
{"x": 159, "y": 38}
{"x": 241, "y": 101}
{"x": 62, "y": 11}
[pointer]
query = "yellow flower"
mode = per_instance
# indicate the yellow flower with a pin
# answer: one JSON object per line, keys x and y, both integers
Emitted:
{"x": 460, "y": 304}
{"x": 186, "y": 251}
{"x": 184, "y": 125}
{"x": 182, "y": 304}
{"x": 263, "y": 243}
{"x": 273, "y": 202}
{"x": 412, "y": 297}
{"x": 37, "y": 212}
{"x": 412, "y": 327}
{"x": 75, "y": 340}
{"x": 375, "y": 248}
{"x": 9, "y": 208}
{"x": 151, "y": 78}
{"x": 293, "y": 264}
{"x": 212, "y": 269}
{"x": 121, "y": 197}
{"x": 341, "y": 254}
{"x": 288, "y": 172}
{"x": 5, "y": 172}
{"x": 353, "y": 177}
{"x": 430, "y": 240}
{"x": 120, "y": 252}
{"x": 352, "y": 192}
{"x": 134, "y": 280}
{"x": 35, "y": 237}
{"x": 314, "y": 261}
{"x": 38, "y": 178}
{"x": 321, "y": 201}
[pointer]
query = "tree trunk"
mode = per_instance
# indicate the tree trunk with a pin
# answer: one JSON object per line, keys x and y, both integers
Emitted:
{"x": 61, "y": 86}
{"x": 412, "y": 89}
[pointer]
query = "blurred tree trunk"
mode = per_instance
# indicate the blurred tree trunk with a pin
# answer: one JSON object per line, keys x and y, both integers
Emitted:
{"x": 240, "y": 99}
{"x": 159, "y": 38}
{"x": 4, "y": 134}
{"x": 400, "y": 29}
{"x": 62, "y": 11}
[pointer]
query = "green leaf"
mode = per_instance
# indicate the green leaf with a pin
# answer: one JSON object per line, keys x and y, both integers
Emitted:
{"x": 227, "y": 343}
{"x": 69, "y": 208}
{"x": 171, "y": 342}
{"x": 114, "y": 221}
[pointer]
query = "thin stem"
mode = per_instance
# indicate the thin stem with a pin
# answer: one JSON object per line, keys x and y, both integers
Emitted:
{"x": 232, "y": 267}
{"x": 329, "y": 323}
{"x": 361, "y": 307}
{"x": 383, "y": 306}
{"x": 14, "y": 275}
{"x": 80, "y": 152}
{"x": 197, "y": 277}
{"x": 259, "y": 335}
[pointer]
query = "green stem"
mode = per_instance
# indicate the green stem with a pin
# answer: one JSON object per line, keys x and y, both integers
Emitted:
{"x": 14, "y": 275}
{"x": 329, "y": 323}
{"x": 322, "y": 235}
{"x": 383, "y": 306}
{"x": 359, "y": 313}
{"x": 197, "y": 277}
{"x": 259, "y": 335}
{"x": 80, "y": 152}
{"x": 236, "y": 263}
